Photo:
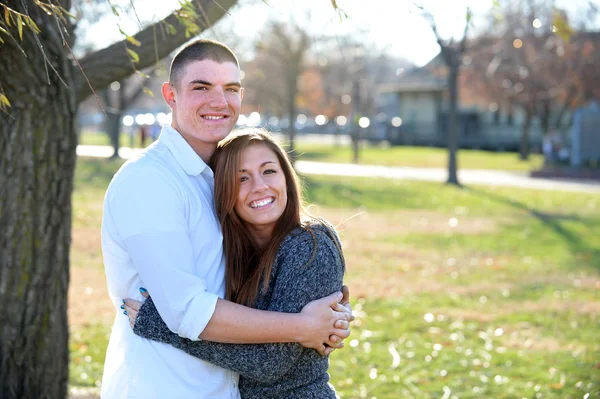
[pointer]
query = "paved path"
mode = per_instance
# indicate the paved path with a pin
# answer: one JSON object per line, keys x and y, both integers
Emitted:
{"x": 465, "y": 176}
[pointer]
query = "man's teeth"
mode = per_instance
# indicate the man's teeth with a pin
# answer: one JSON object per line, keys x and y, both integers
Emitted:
{"x": 213, "y": 118}
{"x": 258, "y": 204}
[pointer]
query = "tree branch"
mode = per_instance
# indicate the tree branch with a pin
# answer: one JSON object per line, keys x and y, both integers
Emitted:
{"x": 113, "y": 64}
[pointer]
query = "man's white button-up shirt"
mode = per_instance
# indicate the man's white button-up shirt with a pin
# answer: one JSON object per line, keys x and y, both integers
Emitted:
{"x": 160, "y": 231}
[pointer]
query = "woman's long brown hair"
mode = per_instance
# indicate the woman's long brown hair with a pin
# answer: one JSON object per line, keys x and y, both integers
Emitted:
{"x": 246, "y": 263}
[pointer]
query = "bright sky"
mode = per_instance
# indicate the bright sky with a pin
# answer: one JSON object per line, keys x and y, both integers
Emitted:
{"x": 394, "y": 25}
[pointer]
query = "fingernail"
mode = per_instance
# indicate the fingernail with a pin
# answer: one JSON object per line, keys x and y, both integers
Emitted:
{"x": 125, "y": 312}
{"x": 123, "y": 307}
{"x": 123, "y": 300}
{"x": 143, "y": 290}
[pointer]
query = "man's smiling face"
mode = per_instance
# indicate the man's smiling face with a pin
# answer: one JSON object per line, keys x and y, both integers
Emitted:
{"x": 206, "y": 99}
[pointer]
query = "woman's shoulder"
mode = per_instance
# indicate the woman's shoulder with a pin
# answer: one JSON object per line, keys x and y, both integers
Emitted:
{"x": 316, "y": 238}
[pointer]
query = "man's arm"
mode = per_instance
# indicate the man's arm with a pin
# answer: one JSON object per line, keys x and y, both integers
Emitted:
{"x": 150, "y": 215}
{"x": 296, "y": 284}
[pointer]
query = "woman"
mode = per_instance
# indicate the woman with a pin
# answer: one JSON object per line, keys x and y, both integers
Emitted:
{"x": 277, "y": 258}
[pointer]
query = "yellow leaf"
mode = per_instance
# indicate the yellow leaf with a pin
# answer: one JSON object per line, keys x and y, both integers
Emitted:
{"x": 133, "y": 55}
{"x": 7, "y": 16}
{"x": 148, "y": 91}
{"x": 133, "y": 41}
{"x": 4, "y": 100}
{"x": 20, "y": 26}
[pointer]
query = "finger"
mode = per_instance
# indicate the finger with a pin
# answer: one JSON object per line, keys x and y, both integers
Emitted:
{"x": 342, "y": 324}
{"x": 342, "y": 333}
{"x": 335, "y": 342}
{"x": 144, "y": 292}
{"x": 333, "y": 298}
{"x": 131, "y": 311}
{"x": 328, "y": 351}
{"x": 322, "y": 350}
{"x": 346, "y": 295}
{"x": 340, "y": 307}
{"x": 344, "y": 316}
{"x": 133, "y": 304}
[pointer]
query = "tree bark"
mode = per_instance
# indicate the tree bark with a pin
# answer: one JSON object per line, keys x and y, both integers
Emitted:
{"x": 37, "y": 162}
{"x": 453, "y": 71}
{"x": 524, "y": 151}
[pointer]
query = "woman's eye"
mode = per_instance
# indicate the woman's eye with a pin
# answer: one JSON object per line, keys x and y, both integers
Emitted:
{"x": 243, "y": 178}
{"x": 269, "y": 171}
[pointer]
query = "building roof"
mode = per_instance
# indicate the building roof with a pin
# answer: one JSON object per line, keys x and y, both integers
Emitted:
{"x": 417, "y": 80}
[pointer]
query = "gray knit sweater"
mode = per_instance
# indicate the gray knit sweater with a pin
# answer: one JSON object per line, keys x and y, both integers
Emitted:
{"x": 282, "y": 370}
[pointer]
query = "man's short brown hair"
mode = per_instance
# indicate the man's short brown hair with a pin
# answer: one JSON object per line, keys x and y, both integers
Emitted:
{"x": 199, "y": 50}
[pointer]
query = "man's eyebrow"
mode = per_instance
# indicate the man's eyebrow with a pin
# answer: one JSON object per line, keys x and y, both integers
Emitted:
{"x": 261, "y": 165}
{"x": 206, "y": 83}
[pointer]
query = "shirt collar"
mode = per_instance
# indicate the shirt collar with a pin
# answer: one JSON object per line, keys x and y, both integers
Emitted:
{"x": 182, "y": 151}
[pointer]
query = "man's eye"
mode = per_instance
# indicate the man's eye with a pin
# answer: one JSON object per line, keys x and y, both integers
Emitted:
{"x": 233, "y": 90}
{"x": 201, "y": 88}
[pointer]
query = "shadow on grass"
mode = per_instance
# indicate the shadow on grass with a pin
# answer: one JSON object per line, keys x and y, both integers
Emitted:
{"x": 552, "y": 221}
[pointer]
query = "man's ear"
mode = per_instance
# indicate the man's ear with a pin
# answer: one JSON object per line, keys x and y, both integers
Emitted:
{"x": 241, "y": 93}
{"x": 168, "y": 92}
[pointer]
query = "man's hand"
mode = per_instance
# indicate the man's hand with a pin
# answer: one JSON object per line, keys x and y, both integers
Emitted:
{"x": 320, "y": 320}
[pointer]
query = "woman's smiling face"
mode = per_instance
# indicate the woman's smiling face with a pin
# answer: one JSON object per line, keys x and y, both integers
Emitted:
{"x": 263, "y": 190}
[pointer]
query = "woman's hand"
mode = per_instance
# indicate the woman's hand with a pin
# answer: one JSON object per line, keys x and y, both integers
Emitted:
{"x": 131, "y": 307}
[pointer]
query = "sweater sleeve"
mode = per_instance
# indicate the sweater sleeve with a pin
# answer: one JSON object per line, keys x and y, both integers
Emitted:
{"x": 296, "y": 283}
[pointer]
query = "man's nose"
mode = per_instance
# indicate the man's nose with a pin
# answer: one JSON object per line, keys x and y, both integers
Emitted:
{"x": 218, "y": 99}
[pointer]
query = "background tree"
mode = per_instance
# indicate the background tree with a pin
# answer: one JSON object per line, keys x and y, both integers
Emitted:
{"x": 452, "y": 51}
{"x": 42, "y": 80}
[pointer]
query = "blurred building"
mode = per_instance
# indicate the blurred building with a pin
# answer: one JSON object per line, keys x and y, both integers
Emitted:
{"x": 420, "y": 99}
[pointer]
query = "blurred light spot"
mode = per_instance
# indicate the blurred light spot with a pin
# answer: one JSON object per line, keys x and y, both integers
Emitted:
{"x": 443, "y": 373}
{"x": 253, "y": 119}
{"x": 493, "y": 107}
{"x": 498, "y": 332}
{"x": 434, "y": 354}
{"x": 429, "y": 318}
{"x": 162, "y": 118}
{"x": 518, "y": 43}
{"x": 428, "y": 358}
{"x": 323, "y": 61}
{"x": 87, "y": 359}
{"x": 149, "y": 119}
{"x": 373, "y": 373}
{"x": 409, "y": 344}
{"x": 301, "y": 119}
{"x": 320, "y": 120}
{"x": 519, "y": 87}
{"x": 467, "y": 60}
{"x": 453, "y": 222}
{"x": 410, "y": 355}
{"x": 341, "y": 120}
{"x": 483, "y": 299}
{"x": 399, "y": 71}
{"x": 537, "y": 23}
{"x": 451, "y": 262}
{"x": 354, "y": 343}
{"x": 242, "y": 75}
{"x": 83, "y": 376}
{"x": 437, "y": 347}
{"x": 364, "y": 122}
{"x": 114, "y": 86}
{"x": 346, "y": 99}
{"x": 454, "y": 275}
{"x": 88, "y": 290}
{"x": 395, "y": 355}
{"x": 128, "y": 120}
{"x": 139, "y": 119}
{"x": 506, "y": 293}
{"x": 506, "y": 83}
{"x": 489, "y": 261}
{"x": 273, "y": 121}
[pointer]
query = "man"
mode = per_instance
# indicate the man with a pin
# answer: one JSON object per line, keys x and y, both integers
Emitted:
{"x": 160, "y": 231}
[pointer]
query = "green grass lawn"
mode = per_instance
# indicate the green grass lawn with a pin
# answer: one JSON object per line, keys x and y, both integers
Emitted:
{"x": 373, "y": 155}
{"x": 459, "y": 293}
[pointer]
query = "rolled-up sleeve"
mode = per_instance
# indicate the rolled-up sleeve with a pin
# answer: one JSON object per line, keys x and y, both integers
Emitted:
{"x": 150, "y": 214}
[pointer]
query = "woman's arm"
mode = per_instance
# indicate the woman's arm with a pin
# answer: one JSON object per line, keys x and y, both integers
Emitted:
{"x": 296, "y": 284}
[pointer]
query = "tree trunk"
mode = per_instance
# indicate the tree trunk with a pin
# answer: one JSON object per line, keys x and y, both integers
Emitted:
{"x": 113, "y": 128}
{"x": 37, "y": 161}
{"x": 292, "y": 90}
{"x": 524, "y": 152}
{"x": 453, "y": 71}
